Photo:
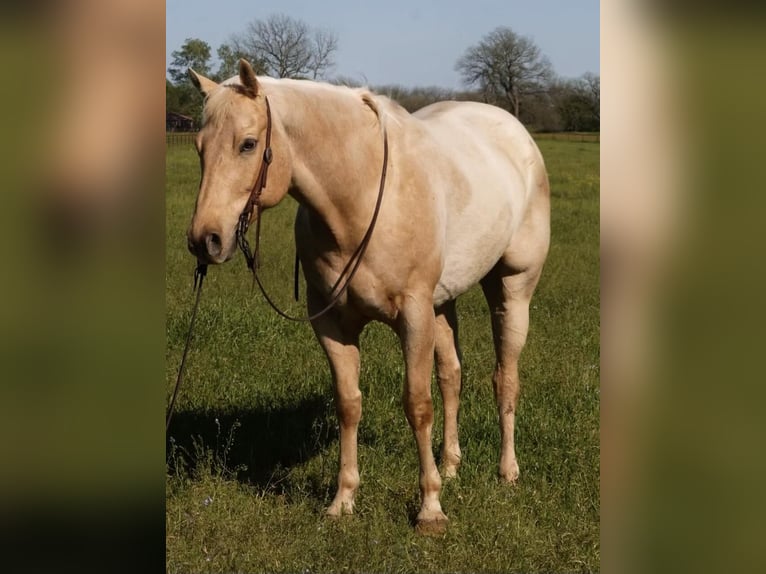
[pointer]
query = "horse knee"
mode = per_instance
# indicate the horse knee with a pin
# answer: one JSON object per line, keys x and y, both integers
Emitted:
{"x": 349, "y": 409}
{"x": 506, "y": 385}
{"x": 419, "y": 409}
{"x": 449, "y": 375}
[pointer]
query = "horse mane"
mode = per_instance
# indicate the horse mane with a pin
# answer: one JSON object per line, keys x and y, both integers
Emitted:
{"x": 382, "y": 106}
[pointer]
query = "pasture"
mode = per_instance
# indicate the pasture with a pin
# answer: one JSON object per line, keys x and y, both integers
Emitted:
{"x": 253, "y": 447}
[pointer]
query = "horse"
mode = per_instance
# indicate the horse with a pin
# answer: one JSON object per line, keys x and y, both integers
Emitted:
{"x": 465, "y": 201}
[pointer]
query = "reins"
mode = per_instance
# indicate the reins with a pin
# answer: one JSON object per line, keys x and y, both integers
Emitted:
{"x": 254, "y": 203}
{"x": 199, "y": 277}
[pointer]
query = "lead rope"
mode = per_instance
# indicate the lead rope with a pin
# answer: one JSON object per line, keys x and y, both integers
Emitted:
{"x": 199, "y": 276}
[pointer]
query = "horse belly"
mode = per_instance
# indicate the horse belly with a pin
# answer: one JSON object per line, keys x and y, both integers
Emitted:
{"x": 477, "y": 236}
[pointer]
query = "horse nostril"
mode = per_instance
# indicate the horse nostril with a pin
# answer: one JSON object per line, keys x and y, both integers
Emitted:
{"x": 213, "y": 242}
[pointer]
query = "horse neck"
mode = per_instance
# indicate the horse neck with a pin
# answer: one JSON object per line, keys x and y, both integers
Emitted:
{"x": 336, "y": 147}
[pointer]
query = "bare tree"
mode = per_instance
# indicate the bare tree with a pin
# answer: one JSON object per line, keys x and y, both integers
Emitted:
{"x": 323, "y": 56}
{"x": 505, "y": 67}
{"x": 288, "y": 48}
{"x": 592, "y": 86}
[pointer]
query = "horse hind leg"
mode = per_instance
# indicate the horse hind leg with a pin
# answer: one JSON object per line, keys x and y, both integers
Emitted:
{"x": 447, "y": 359}
{"x": 508, "y": 294}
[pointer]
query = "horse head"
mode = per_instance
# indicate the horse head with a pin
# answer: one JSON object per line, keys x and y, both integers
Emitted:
{"x": 231, "y": 146}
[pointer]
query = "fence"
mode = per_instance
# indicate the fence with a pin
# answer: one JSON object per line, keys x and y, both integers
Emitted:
{"x": 179, "y": 138}
{"x": 187, "y": 138}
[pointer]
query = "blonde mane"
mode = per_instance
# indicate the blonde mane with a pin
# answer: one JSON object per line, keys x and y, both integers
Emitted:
{"x": 215, "y": 107}
{"x": 383, "y": 107}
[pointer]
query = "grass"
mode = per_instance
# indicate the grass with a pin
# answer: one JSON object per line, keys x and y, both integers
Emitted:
{"x": 253, "y": 448}
{"x": 592, "y": 137}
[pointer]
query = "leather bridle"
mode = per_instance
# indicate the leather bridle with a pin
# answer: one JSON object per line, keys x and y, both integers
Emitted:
{"x": 254, "y": 204}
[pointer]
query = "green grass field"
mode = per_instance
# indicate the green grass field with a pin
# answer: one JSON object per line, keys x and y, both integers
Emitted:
{"x": 253, "y": 447}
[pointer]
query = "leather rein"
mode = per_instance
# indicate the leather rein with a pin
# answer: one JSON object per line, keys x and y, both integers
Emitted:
{"x": 254, "y": 204}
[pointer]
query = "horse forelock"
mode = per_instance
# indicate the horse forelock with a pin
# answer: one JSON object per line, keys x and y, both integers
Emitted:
{"x": 216, "y": 106}
{"x": 218, "y": 103}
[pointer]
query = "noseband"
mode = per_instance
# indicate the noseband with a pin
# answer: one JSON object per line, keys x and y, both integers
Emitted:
{"x": 254, "y": 204}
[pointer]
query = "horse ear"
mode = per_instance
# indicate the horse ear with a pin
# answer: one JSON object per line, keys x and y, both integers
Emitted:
{"x": 247, "y": 77}
{"x": 204, "y": 85}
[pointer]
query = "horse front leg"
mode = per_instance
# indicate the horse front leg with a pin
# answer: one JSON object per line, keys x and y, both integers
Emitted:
{"x": 416, "y": 333}
{"x": 340, "y": 341}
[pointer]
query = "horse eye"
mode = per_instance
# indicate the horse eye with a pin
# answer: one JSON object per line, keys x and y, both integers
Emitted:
{"x": 247, "y": 145}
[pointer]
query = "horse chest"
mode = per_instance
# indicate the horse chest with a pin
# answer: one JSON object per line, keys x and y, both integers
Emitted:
{"x": 373, "y": 293}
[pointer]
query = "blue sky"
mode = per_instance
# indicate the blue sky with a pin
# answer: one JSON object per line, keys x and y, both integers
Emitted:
{"x": 412, "y": 43}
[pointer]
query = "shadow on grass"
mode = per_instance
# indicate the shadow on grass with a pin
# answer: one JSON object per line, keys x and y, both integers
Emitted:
{"x": 258, "y": 446}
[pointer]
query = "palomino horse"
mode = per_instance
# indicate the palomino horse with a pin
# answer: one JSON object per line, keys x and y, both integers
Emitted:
{"x": 466, "y": 201}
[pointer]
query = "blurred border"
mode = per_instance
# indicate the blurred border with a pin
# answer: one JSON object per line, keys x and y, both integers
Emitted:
{"x": 82, "y": 321}
{"x": 682, "y": 275}
{"x": 82, "y": 305}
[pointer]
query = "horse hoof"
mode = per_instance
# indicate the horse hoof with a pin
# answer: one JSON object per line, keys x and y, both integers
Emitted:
{"x": 511, "y": 474}
{"x": 449, "y": 472}
{"x": 338, "y": 510}
{"x": 432, "y": 526}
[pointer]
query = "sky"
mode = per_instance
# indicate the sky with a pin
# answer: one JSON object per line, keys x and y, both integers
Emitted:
{"x": 405, "y": 42}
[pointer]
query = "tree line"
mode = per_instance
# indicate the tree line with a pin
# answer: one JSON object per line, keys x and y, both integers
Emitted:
{"x": 504, "y": 68}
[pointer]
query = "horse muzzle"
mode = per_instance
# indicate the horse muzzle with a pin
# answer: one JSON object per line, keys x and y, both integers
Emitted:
{"x": 208, "y": 246}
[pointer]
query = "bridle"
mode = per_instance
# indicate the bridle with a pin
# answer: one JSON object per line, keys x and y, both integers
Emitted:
{"x": 254, "y": 204}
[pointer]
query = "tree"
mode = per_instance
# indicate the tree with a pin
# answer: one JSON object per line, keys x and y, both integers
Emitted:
{"x": 578, "y": 102}
{"x": 172, "y": 99}
{"x": 183, "y": 99}
{"x": 591, "y": 86}
{"x": 194, "y": 53}
{"x": 180, "y": 95}
{"x": 325, "y": 44}
{"x": 505, "y": 67}
{"x": 229, "y": 57}
{"x": 288, "y": 48}
{"x": 412, "y": 99}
